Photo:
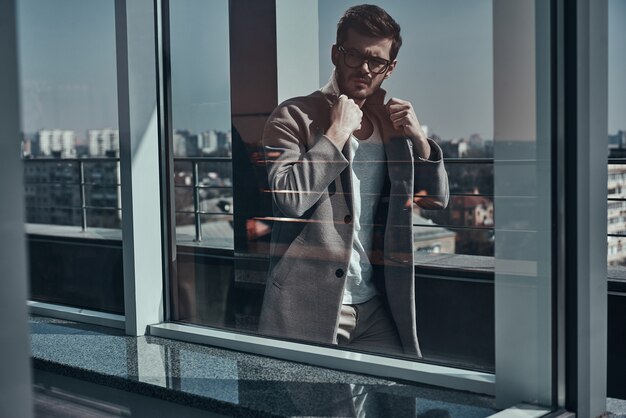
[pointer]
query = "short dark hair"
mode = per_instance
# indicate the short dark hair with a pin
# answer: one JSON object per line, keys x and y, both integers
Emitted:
{"x": 370, "y": 20}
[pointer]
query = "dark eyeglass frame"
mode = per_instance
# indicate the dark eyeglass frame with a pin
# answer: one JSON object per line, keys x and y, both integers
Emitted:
{"x": 363, "y": 58}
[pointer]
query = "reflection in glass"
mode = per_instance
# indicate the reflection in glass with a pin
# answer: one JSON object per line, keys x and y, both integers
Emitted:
{"x": 70, "y": 151}
{"x": 69, "y": 111}
{"x": 616, "y": 187}
{"x": 453, "y": 240}
{"x": 213, "y": 288}
{"x": 202, "y": 143}
{"x": 104, "y": 218}
{"x": 203, "y": 188}
{"x": 466, "y": 226}
{"x": 616, "y": 215}
{"x": 476, "y": 178}
{"x": 56, "y": 190}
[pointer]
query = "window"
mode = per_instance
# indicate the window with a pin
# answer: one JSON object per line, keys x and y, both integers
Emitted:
{"x": 616, "y": 216}
{"x": 201, "y": 145}
{"x": 201, "y": 140}
{"x": 70, "y": 150}
{"x": 224, "y": 218}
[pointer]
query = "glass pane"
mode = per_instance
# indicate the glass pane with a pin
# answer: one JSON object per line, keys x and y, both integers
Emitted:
{"x": 104, "y": 218}
{"x": 54, "y": 215}
{"x": 101, "y": 172}
{"x": 524, "y": 199}
{"x": 460, "y": 237}
{"x": 616, "y": 219}
{"x": 212, "y": 174}
{"x": 184, "y": 201}
{"x": 70, "y": 149}
{"x": 102, "y": 196}
{"x": 202, "y": 142}
{"x": 51, "y": 171}
{"x": 471, "y": 210}
{"x": 616, "y": 251}
{"x": 616, "y": 187}
{"x": 616, "y": 191}
{"x": 470, "y": 178}
{"x": 316, "y": 233}
{"x": 450, "y": 240}
{"x": 217, "y": 231}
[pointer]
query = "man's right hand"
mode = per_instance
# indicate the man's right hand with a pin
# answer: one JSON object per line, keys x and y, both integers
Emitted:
{"x": 345, "y": 118}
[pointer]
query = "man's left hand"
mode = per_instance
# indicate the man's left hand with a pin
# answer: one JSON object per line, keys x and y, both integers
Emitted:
{"x": 405, "y": 120}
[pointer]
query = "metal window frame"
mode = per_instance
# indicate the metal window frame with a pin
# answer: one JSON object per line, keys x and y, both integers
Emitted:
{"x": 422, "y": 372}
{"x": 580, "y": 118}
{"x": 139, "y": 127}
{"x": 450, "y": 377}
{"x": 15, "y": 380}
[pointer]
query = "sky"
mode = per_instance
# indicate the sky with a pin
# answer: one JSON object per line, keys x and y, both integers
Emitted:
{"x": 617, "y": 65}
{"x": 445, "y": 67}
{"x": 67, "y": 64}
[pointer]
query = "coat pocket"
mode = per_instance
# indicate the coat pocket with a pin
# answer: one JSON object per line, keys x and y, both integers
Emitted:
{"x": 288, "y": 263}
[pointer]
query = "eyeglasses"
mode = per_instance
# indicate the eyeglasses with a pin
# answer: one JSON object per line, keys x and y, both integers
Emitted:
{"x": 355, "y": 59}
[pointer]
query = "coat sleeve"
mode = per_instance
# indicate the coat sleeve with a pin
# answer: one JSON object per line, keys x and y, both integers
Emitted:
{"x": 431, "y": 190}
{"x": 299, "y": 170}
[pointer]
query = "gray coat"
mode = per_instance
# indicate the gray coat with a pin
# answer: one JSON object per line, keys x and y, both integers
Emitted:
{"x": 310, "y": 182}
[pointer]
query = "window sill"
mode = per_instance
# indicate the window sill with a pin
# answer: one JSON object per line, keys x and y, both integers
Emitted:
{"x": 230, "y": 382}
{"x": 67, "y": 231}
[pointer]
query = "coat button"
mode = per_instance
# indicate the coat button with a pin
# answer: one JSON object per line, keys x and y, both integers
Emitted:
{"x": 339, "y": 272}
{"x": 347, "y": 219}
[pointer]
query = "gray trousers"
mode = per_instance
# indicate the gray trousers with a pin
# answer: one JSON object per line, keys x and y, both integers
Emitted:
{"x": 368, "y": 326}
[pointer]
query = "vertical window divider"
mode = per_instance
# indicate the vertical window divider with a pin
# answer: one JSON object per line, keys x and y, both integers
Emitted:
{"x": 15, "y": 381}
{"x": 583, "y": 197}
{"x": 139, "y": 163}
{"x": 166, "y": 154}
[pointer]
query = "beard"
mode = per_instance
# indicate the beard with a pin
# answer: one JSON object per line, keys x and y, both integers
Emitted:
{"x": 356, "y": 84}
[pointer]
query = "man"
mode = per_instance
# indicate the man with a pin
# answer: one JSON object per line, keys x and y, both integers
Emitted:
{"x": 344, "y": 169}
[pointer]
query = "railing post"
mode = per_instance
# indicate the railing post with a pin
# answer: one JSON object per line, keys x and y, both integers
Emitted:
{"x": 83, "y": 199}
{"x": 196, "y": 202}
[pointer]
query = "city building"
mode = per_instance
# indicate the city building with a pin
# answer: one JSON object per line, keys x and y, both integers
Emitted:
{"x": 103, "y": 142}
{"x": 428, "y": 238}
{"x": 56, "y": 142}
{"x": 210, "y": 143}
{"x": 616, "y": 217}
{"x": 617, "y": 145}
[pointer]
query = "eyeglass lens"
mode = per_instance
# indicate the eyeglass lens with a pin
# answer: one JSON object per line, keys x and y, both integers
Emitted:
{"x": 354, "y": 59}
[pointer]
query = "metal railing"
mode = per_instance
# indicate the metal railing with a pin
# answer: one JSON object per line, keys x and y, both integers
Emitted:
{"x": 196, "y": 186}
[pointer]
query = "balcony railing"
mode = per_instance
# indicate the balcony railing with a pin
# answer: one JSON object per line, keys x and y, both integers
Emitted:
{"x": 72, "y": 172}
{"x": 196, "y": 186}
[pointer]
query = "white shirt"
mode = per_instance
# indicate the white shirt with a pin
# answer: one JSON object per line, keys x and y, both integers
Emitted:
{"x": 368, "y": 176}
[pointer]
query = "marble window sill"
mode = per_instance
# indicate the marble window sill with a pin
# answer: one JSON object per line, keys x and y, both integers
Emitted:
{"x": 229, "y": 382}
